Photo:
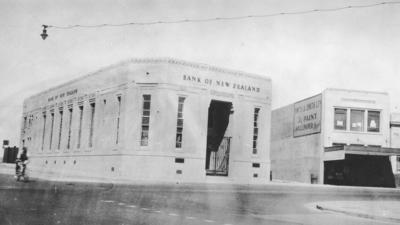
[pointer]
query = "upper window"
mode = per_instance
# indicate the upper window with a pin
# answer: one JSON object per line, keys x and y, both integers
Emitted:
{"x": 179, "y": 123}
{"x": 144, "y": 138}
{"x": 91, "y": 127}
{"x": 357, "y": 120}
{"x": 360, "y": 120}
{"x": 255, "y": 129}
{"x": 373, "y": 121}
{"x": 340, "y": 119}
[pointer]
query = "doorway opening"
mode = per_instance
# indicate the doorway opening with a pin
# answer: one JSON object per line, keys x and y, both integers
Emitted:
{"x": 218, "y": 144}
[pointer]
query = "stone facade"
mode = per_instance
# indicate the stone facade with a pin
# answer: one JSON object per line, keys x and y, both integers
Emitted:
{"x": 122, "y": 122}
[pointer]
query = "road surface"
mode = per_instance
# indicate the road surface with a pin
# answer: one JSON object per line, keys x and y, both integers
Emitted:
{"x": 45, "y": 203}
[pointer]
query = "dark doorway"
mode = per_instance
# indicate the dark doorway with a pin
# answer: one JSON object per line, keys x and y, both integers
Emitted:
{"x": 218, "y": 145}
{"x": 360, "y": 170}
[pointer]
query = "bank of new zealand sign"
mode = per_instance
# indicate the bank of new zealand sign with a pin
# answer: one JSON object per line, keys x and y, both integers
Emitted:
{"x": 307, "y": 116}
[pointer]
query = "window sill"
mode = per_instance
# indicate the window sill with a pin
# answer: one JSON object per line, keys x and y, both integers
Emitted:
{"x": 356, "y": 132}
{"x": 143, "y": 148}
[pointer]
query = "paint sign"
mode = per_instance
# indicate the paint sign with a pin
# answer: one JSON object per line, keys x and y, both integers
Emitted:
{"x": 307, "y": 116}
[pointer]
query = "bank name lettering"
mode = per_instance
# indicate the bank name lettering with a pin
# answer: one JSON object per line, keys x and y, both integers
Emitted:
{"x": 220, "y": 83}
{"x": 62, "y": 95}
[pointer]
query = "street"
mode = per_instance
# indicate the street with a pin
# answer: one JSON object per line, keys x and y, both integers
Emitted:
{"x": 43, "y": 202}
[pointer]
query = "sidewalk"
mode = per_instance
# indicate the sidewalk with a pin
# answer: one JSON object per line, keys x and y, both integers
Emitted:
{"x": 379, "y": 210}
{"x": 7, "y": 168}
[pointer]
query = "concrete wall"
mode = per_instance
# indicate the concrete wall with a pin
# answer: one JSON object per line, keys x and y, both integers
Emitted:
{"x": 165, "y": 81}
{"x": 294, "y": 159}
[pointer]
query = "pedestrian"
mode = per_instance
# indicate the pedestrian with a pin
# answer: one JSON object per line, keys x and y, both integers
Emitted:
{"x": 24, "y": 159}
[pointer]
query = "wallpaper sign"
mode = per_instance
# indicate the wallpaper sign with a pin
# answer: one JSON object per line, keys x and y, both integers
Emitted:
{"x": 307, "y": 116}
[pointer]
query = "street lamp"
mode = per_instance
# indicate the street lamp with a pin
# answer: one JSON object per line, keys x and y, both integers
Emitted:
{"x": 44, "y": 33}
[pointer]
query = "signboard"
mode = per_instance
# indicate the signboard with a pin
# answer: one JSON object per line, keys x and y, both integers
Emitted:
{"x": 307, "y": 116}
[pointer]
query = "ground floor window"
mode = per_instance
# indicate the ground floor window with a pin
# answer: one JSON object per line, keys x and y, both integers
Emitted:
{"x": 398, "y": 163}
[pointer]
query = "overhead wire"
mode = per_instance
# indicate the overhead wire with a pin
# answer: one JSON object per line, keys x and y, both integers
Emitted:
{"x": 226, "y": 18}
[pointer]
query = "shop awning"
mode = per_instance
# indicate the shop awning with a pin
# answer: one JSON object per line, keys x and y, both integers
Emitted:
{"x": 339, "y": 152}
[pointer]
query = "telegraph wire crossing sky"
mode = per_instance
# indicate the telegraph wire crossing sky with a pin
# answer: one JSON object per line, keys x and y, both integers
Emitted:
{"x": 44, "y": 34}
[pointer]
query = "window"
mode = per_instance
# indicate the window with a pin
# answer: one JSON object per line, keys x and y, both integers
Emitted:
{"x": 255, "y": 129}
{"x": 24, "y": 126}
{"x": 118, "y": 118}
{"x": 373, "y": 121}
{"x": 357, "y": 120}
{"x": 179, "y": 123}
{"x": 51, "y": 129}
{"x": 60, "y": 129}
{"x": 44, "y": 129}
{"x": 340, "y": 119}
{"x": 92, "y": 111}
{"x": 69, "y": 128}
{"x": 144, "y": 139}
{"x": 80, "y": 126}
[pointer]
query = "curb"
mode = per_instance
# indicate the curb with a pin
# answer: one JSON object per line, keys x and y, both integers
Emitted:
{"x": 361, "y": 215}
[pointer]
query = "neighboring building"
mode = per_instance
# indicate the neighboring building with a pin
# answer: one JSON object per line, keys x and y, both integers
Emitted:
{"x": 153, "y": 119}
{"x": 337, "y": 137}
{"x": 395, "y": 143}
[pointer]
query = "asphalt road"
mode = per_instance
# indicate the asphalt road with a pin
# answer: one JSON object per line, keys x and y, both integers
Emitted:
{"x": 45, "y": 203}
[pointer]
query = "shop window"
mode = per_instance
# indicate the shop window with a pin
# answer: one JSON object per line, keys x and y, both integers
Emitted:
{"x": 51, "y": 129}
{"x": 255, "y": 129}
{"x": 398, "y": 163}
{"x": 60, "y": 129}
{"x": 373, "y": 121}
{"x": 357, "y": 120}
{"x": 80, "y": 126}
{"x": 179, "y": 123}
{"x": 340, "y": 119}
{"x": 91, "y": 127}
{"x": 144, "y": 138}
{"x": 69, "y": 127}
{"x": 44, "y": 129}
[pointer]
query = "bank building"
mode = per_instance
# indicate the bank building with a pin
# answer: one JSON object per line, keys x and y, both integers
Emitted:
{"x": 156, "y": 120}
{"x": 340, "y": 137}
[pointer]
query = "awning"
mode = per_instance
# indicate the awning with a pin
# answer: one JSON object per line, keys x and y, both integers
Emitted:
{"x": 339, "y": 152}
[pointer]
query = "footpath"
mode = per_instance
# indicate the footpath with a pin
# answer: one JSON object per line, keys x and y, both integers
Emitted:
{"x": 378, "y": 210}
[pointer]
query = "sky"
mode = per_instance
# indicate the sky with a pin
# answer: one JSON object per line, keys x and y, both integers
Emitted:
{"x": 302, "y": 54}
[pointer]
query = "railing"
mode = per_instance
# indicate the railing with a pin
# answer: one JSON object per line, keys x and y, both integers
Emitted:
{"x": 219, "y": 160}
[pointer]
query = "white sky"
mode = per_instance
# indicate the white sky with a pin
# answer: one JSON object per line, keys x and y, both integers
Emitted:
{"x": 302, "y": 54}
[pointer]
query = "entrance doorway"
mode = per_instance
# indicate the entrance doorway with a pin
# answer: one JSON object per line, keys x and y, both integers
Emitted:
{"x": 218, "y": 144}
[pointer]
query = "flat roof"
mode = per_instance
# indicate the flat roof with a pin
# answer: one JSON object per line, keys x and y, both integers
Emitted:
{"x": 160, "y": 60}
{"x": 359, "y": 91}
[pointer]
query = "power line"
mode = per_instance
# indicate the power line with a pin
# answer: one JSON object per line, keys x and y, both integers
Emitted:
{"x": 255, "y": 16}
{"x": 227, "y": 18}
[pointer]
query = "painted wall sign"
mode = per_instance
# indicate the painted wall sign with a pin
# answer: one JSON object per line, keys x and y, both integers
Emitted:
{"x": 220, "y": 83}
{"x": 307, "y": 116}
